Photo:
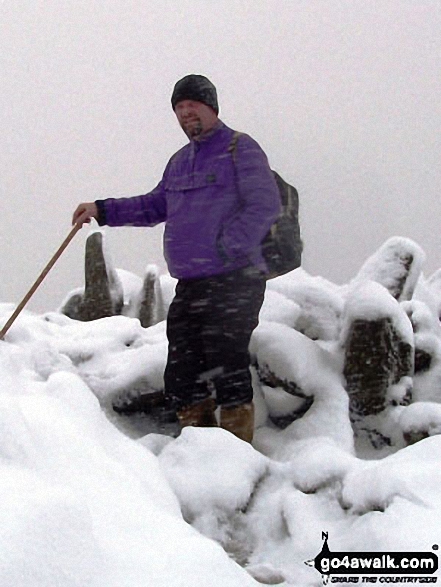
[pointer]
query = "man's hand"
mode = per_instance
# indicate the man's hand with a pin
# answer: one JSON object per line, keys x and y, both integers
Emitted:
{"x": 84, "y": 213}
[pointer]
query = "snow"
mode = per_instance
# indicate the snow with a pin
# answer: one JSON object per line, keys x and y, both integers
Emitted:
{"x": 89, "y": 497}
{"x": 421, "y": 416}
{"x": 82, "y": 504}
{"x": 371, "y": 301}
{"x": 427, "y": 383}
{"x": 319, "y": 300}
{"x": 386, "y": 266}
{"x": 298, "y": 359}
{"x": 213, "y": 475}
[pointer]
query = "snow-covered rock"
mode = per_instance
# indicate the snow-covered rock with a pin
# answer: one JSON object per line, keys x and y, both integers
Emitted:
{"x": 397, "y": 266}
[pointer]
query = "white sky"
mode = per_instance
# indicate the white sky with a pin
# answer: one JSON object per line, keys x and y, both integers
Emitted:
{"x": 343, "y": 95}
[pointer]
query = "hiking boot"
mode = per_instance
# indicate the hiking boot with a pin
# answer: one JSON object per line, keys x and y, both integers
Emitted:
{"x": 239, "y": 420}
{"x": 201, "y": 414}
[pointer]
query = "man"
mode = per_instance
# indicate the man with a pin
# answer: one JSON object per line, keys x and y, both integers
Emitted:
{"x": 217, "y": 211}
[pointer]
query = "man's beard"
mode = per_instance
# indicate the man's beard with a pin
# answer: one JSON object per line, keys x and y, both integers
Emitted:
{"x": 193, "y": 130}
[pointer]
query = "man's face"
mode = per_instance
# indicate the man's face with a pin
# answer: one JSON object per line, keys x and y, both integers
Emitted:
{"x": 195, "y": 118}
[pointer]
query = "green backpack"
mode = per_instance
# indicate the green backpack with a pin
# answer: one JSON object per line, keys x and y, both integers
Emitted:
{"x": 282, "y": 246}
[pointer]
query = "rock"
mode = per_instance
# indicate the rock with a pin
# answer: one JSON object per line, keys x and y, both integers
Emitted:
{"x": 419, "y": 421}
{"x": 376, "y": 357}
{"x": 285, "y": 400}
{"x": 378, "y": 344}
{"x": 150, "y": 309}
{"x": 71, "y": 306}
{"x": 102, "y": 295}
{"x": 396, "y": 265}
{"x": 423, "y": 360}
{"x": 141, "y": 398}
{"x": 413, "y": 437}
{"x": 319, "y": 303}
{"x": 427, "y": 336}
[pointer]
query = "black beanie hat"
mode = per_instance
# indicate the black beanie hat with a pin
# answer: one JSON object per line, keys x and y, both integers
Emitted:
{"x": 195, "y": 87}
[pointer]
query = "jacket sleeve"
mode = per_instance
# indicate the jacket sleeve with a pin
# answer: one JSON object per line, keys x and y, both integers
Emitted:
{"x": 259, "y": 201}
{"x": 146, "y": 210}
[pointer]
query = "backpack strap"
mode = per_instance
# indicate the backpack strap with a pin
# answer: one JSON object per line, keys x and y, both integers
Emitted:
{"x": 232, "y": 147}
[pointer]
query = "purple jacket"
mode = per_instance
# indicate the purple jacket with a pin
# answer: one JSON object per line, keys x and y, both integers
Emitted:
{"x": 216, "y": 212}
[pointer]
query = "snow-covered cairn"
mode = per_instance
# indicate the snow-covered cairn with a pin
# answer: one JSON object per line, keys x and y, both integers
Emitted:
{"x": 104, "y": 294}
{"x": 328, "y": 360}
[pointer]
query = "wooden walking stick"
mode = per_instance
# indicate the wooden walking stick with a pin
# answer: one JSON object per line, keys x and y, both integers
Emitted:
{"x": 42, "y": 275}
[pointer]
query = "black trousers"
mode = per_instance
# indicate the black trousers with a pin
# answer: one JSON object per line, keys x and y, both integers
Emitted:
{"x": 209, "y": 326}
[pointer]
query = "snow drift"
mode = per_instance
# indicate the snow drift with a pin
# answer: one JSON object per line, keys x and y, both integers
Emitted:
{"x": 93, "y": 497}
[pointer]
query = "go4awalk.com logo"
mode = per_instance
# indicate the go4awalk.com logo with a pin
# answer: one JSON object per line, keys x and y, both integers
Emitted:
{"x": 375, "y": 567}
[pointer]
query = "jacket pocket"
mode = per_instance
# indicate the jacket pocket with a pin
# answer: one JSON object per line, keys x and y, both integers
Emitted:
{"x": 195, "y": 181}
